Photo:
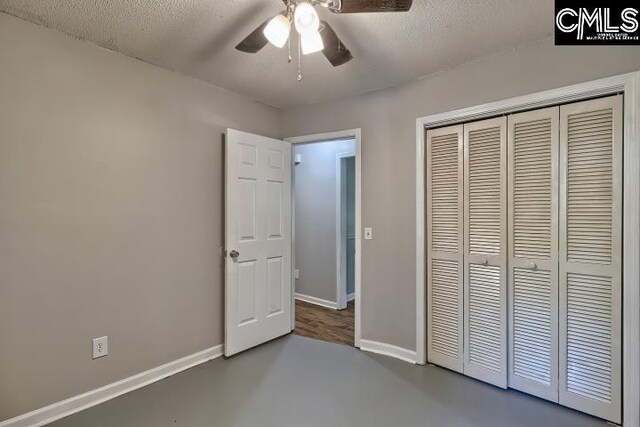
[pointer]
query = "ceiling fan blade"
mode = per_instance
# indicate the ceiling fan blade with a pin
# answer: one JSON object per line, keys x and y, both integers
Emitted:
{"x": 335, "y": 51}
{"x": 254, "y": 41}
{"x": 363, "y": 6}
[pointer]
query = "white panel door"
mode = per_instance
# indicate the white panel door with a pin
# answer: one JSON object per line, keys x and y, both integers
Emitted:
{"x": 258, "y": 240}
{"x": 445, "y": 247}
{"x": 533, "y": 252}
{"x": 485, "y": 260}
{"x": 590, "y": 256}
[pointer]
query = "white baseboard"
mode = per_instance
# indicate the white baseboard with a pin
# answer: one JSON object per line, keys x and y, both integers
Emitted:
{"x": 388, "y": 350}
{"x": 64, "y": 408}
{"x": 316, "y": 301}
{"x": 351, "y": 297}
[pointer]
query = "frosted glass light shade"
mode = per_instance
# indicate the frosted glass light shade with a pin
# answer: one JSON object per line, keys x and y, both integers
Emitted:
{"x": 277, "y": 30}
{"x": 306, "y": 18}
{"x": 311, "y": 43}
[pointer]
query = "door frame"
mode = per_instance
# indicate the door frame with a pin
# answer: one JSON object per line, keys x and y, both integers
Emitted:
{"x": 341, "y": 230}
{"x": 627, "y": 84}
{"x": 323, "y": 137}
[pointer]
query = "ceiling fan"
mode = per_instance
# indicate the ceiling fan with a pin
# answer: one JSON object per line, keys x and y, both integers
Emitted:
{"x": 315, "y": 35}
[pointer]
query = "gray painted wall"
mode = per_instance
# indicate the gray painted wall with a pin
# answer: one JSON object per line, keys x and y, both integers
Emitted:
{"x": 111, "y": 199}
{"x": 350, "y": 177}
{"x": 388, "y": 120}
{"x": 315, "y": 217}
{"x": 110, "y": 213}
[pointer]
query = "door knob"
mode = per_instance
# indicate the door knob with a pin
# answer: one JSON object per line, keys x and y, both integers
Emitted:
{"x": 485, "y": 262}
{"x": 234, "y": 254}
{"x": 533, "y": 266}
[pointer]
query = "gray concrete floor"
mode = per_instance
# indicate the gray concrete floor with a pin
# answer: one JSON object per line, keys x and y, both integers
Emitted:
{"x": 297, "y": 381}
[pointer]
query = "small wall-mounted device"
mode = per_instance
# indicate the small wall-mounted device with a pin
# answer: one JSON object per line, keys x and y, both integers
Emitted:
{"x": 368, "y": 233}
{"x": 297, "y": 159}
{"x": 100, "y": 347}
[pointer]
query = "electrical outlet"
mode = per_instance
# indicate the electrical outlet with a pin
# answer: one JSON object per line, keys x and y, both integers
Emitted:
{"x": 296, "y": 274}
{"x": 100, "y": 347}
{"x": 368, "y": 233}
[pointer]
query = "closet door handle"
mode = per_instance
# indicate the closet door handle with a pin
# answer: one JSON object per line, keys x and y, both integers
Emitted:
{"x": 533, "y": 266}
{"x": 485, "y": 262}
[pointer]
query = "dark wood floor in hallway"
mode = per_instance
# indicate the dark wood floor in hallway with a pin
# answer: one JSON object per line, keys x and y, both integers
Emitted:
{"x": 326, "y": 324}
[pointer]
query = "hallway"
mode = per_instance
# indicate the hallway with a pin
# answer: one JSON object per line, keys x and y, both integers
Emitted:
{"x": 325, "y": 324}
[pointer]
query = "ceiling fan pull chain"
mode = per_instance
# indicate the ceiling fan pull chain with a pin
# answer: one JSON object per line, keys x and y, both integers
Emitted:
{"x": 299, "y": 58}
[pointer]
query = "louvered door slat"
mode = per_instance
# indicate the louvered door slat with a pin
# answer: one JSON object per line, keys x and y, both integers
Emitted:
{"x": 533, "y": 249}
{"x": 485, "y": 352}
{"x": 445, "y": 297}
{"x": 485, "y": 318}
{"x": 590, "y": 251}
{"x": 444, "y": 247}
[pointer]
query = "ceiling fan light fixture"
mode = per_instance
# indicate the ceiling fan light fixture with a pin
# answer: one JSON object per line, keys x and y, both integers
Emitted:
{"x": 277, "y": 30}
{"x": 306, "y": 18}
{"x": 311, "y": 42}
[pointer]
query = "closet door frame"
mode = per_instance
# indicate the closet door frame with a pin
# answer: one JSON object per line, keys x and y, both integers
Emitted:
{"x": 627, "y": 84}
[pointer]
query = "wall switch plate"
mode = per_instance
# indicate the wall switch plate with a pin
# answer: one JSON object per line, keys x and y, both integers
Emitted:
{"x": 296, "y": 274}
{"x": 368, "y": 233}
{"x": 100, "y": 347}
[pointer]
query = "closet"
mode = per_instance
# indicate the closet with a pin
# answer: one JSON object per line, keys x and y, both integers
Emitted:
{"x": 524, "y": 253}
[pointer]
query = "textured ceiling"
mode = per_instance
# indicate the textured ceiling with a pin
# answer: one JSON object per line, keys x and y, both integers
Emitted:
{"x": 197, "y": 38}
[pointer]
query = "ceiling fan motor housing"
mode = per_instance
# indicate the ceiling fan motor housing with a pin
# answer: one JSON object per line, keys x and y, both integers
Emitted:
{"x": 315, "y": 34}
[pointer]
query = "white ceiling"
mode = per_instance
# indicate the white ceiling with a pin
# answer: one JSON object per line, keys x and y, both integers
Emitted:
{"x": 197, "y": 38}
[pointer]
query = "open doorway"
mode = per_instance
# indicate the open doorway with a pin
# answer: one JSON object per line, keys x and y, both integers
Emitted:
{"x": 324, "y": 206}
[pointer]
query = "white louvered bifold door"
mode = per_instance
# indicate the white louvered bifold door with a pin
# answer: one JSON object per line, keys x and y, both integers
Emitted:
{"x": 485, "y": 261}
{"x": 533, "y": 252}
{"x": 444, "y": 247}
{"x": 590, "y": 256}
